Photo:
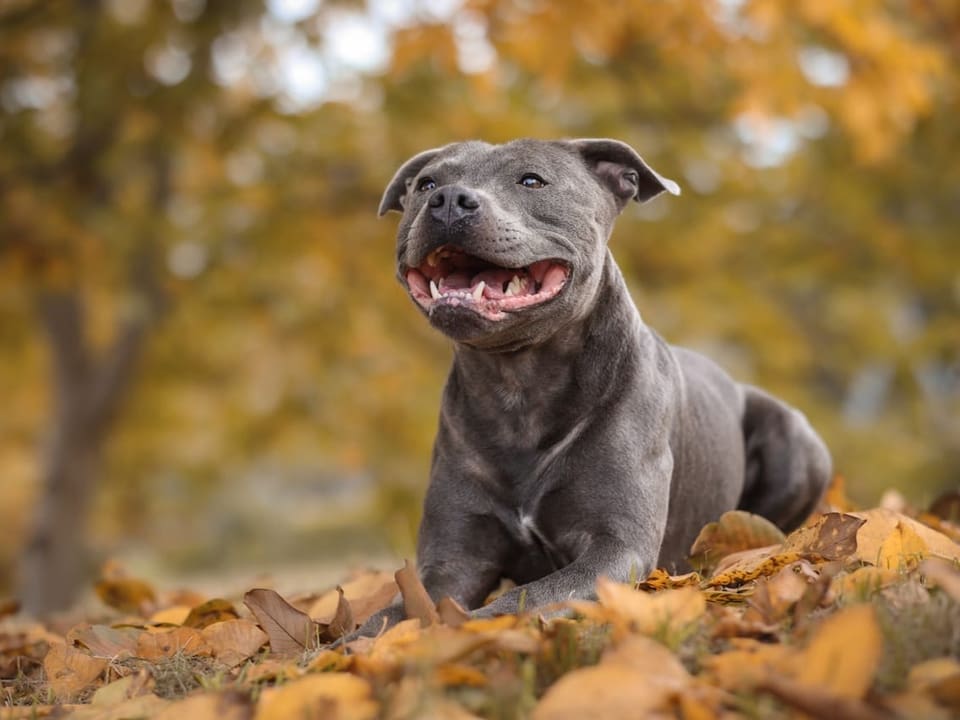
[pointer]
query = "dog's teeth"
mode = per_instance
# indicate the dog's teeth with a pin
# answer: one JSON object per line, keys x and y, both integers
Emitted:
{"x": 514, "y": 287}
{"x": 434, "y": 293}
{"x": 478, "y": 291}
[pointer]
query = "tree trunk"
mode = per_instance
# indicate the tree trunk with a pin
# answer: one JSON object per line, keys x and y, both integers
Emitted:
{"x": 87, "y": 393}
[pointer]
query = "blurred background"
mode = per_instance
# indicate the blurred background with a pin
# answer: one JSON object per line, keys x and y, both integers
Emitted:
{"x": 206, "y": 365}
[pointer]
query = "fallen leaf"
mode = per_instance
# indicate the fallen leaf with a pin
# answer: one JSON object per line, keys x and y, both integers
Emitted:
{"x": 947, "y": 507}
{"x": 944, "y": 575}
{"x": 127, "y": 595}
{"x": 819, "y": 702}
{"x": 453, "y": 674}
{"x": 332, "y": 696}
{"x": 881, "y": 524}
{"x": 416, "y": 601}
{"x": 70, "y": 671}
{"x": 831, "y": 537}
{"x": 233, "y": 641}
{"x": 272, "y": 670}
{"x": 735, "y": 531}
{"x": 667, "y": 611}
{"x": 114, "y": 693}
{"x": 636, "y": 679}
{"x": 210, "y": 612}
{"x": 329, "y": 661}
{"x": 660, "y": 579}
{"x": 106, "y": 642}
{"x": 775, "y": 596}
{"x": 843, "y": 654}
{"x": 142, "y": 706}
{"x": 750, "y": 565}
{"x": 342, "y": 622}
{"x": 166, "y": 643}
{"x": 291, "y": 631}
{"x": 450, "y": 612}
{"x": 367, "y": 593}
{"x": 748, "y": 663}
{"x": 228, "y": 705}
{"x": 863, "y": 582}
{"x": 174, "y": 615}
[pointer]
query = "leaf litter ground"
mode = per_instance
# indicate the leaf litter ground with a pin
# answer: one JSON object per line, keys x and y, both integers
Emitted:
{"x": 854, "y": 615}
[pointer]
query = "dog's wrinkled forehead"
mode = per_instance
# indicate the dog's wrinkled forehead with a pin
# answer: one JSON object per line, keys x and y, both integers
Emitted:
{"x": 477, "y": 163}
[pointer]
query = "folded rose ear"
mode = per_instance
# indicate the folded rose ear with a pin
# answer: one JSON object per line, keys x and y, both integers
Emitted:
{"x": 400, "y": 184}
{"x": 622, "y": 170}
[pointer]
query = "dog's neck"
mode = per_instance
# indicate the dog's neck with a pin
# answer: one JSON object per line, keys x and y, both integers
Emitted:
{"x": 536, "y": 385}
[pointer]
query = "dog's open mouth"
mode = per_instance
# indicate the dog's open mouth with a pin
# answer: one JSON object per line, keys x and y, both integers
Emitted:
{"x": 452, "y": 277}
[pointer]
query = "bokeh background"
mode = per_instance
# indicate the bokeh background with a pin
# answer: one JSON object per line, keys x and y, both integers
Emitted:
{"x": 206, "y": 365}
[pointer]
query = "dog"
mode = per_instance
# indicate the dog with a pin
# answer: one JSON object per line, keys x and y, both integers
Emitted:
{"x": 573, "y": 441}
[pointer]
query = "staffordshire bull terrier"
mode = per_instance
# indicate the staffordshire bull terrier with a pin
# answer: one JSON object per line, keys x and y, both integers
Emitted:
{"x": 573, "y": 441}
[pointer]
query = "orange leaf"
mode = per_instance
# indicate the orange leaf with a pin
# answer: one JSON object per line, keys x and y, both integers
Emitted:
{"x": 167, "y": 643}
{"x": 127, "y": 595}
{"x": 233, "y": 641}
{"x": 210, "y": 612}
{"x": 336, "y": 696}
{"x": 69, "y": 671}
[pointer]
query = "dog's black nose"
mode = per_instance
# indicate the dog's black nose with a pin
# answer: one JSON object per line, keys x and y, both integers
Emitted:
{"x": 453, "y": 202}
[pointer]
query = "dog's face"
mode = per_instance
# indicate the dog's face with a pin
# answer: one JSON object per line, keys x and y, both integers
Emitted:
{"x": 501, "y": 245}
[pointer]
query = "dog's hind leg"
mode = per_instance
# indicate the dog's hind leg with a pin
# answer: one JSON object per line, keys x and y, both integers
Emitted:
{"x": 788, "y": 466}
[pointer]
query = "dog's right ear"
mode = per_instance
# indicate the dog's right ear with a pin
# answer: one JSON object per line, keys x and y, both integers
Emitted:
{"x": 398, "y": 187}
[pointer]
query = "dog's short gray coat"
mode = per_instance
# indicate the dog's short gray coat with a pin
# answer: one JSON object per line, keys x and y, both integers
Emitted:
{"x": 573, "y": 441}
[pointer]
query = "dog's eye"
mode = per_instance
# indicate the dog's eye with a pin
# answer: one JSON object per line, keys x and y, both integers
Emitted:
{"x": 534, "y": 182}
{"x": 426, "y": 183}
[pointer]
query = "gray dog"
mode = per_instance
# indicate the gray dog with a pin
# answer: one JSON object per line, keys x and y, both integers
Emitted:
{"x": 573, "y": 441}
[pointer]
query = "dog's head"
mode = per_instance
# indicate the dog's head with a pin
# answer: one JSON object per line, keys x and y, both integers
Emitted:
{"x": 500, "y": 245}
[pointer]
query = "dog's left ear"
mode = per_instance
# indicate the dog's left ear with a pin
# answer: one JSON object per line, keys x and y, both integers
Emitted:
{"x": 400, "y": 184}
{"x": 620, "y": 168}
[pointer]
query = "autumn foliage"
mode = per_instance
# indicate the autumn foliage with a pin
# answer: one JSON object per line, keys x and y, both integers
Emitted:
{"x": 854, "y": 615}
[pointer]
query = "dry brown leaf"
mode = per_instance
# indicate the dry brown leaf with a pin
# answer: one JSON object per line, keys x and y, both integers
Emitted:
{"x": 843, "y": 654}
{"x": 735, "y": 531}
{"x": 947, "y": 507}
{"x": 127, "y": 595}
{"x": 416, "y": 601}
{"x": 875, "y": 546}
{"x": 913, "y": 705}
{"x": 210, "y": 612}
{"x": 944, "y": 575}
{"x": 233, "y": 641}
{"x": 291, "y": 631}
{"x": 229, "y": 705}
{"x": 451, "y": 613}
{"x": 453, "y": 674}
{"x": 272, "y": 670}
{"x": 775, "y": 596}
{"x": 332, "y": 696}
{"x": 831, "y": 537}
{"x": 70, "y": 671}
{"x": 106, "y": 642}
{"x": 165, "y": 643}
{"x": 342, "y": 622}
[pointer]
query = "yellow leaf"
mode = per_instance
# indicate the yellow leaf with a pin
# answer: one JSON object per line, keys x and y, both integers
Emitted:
{"x": 452, "y": 674}
{"x": 127, "y": 595}
{"x": 881, "y": 524}
{"x": 167, "y": 643}
{"x": 210, "y": 612}
{"x": 666, "y": 611}
{"x": 751, "y": 565}
{"x": 174, "y": 615}
{"x": 843, "y": 654}
{"x": 901, "y": 549}
{"x": 332, "y": 696}
{"x": 863, "y": 582}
